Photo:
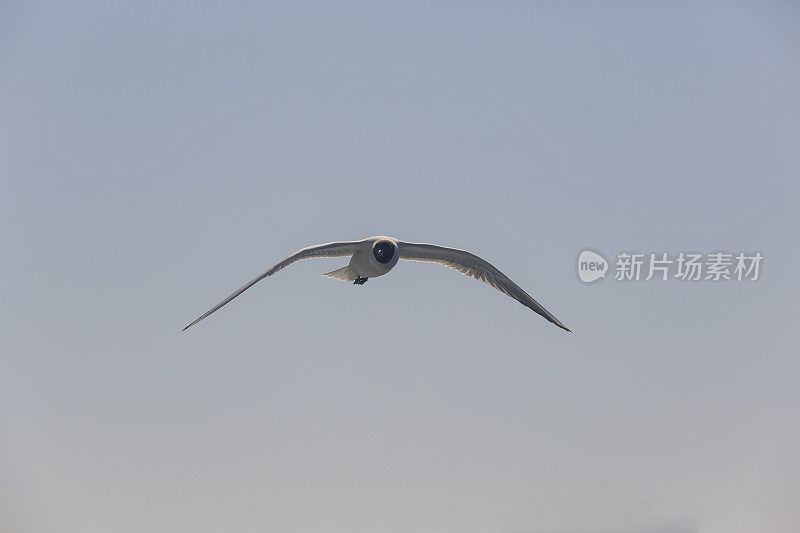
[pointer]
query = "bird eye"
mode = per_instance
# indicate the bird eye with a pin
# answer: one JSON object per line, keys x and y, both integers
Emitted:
{"x": 383, "y": 251}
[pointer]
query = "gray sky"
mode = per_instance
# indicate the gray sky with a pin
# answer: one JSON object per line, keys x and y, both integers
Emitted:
{"x": 155, "y": 157}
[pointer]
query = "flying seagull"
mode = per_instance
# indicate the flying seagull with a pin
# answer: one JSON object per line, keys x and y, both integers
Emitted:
{"x": 376, "y": 256}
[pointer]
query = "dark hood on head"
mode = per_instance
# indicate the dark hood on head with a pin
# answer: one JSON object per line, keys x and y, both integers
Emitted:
{"x": 383, "y": 251}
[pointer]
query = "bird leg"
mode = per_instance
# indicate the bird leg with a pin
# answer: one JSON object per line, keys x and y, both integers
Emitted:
{"x": 360, "y": 281}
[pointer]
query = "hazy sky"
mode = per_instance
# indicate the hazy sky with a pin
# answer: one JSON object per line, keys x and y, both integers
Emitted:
{"x": 156, "y": 156}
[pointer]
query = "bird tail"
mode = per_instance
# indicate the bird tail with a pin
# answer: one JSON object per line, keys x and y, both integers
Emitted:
{"x": 343, "y": 274}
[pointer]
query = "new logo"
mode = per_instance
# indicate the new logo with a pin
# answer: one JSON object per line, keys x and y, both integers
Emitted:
{"x": 591, "y": 266}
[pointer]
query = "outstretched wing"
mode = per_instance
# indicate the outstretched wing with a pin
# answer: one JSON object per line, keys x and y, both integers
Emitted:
{"x": 473, "y": 266}
{"x": 331, "y": 249}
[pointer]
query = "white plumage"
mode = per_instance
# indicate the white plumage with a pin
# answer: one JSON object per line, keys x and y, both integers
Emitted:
{"x": 376, "y": 256}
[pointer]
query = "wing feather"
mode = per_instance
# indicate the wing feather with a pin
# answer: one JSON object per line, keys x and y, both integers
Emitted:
{"x": 331, "y": 249}
{"x": 473, "y": 266}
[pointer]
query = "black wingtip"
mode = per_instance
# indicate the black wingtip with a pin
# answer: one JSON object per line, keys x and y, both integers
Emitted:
{"x": 187, "y": 327}
{"x": 562, "y": 326}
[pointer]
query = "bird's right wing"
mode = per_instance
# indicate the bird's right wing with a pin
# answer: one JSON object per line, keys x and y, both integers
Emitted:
{"x": 473, "y": 266}
{"x": 331, "y": 249}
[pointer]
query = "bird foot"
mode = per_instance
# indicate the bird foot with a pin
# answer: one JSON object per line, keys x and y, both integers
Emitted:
{"x": 360, "y": 281}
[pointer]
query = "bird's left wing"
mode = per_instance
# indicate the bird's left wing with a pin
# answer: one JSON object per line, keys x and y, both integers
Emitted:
{"x": 473, "y": 266}
{"x": 331, "y": 249}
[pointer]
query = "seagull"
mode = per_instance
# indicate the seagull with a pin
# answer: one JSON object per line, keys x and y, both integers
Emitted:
{"x": 376, "y": 256}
